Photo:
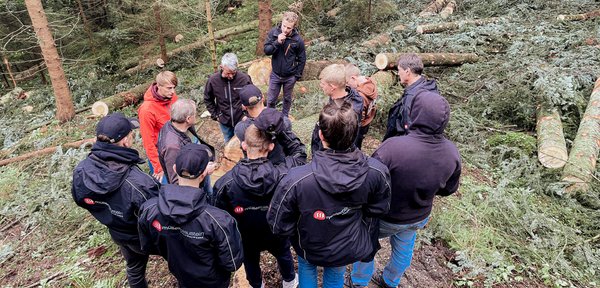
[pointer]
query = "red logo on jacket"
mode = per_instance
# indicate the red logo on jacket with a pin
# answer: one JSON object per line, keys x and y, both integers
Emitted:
{"x": 88, "y": 201}
{"x": 319, "y": 215}
{"x": 238, "y": 210}
{"x": 157, "y": 225}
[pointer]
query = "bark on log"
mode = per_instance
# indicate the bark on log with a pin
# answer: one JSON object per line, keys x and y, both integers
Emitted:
{"x": 211, "y": 35}
{"x": 30, "y": 72}
{"x": 581, "y": 165}
{"x": 45, "y": 151}
{"x": 260, "y": 71}
{"x": 313, "y": 68}
{"x": 9, "y": 71}
{"x": 436, "y": 28}
{"x": 433, "y": 8}
{"x": 552, "y": 148}
{"x": 123, "y": 99}
{"x": 300, "y": 89}
{"x": 579, "y": 17}
{"x": 378, "y": 40}
{"x": 384, "y": 79}
{"x": 387, "y": 61}
{"x": 448, "y": 10}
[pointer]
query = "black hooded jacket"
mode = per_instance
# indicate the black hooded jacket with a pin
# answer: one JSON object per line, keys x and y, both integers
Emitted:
{"x": 222, "y": 99}
{"x": 325, "y": 206}
{"x": 399, "y": 116}
{"x": 422, "y": 163}
{"x": 289, "y": 57}
{"x": 200, "y": 242}
{"x": 110, "y": 185}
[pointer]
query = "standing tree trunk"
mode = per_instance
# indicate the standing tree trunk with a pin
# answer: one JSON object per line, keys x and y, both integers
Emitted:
{"x": 64, "y": 104}
{"x": 4, "y": 77}
{"x": 264, "y": 25}
{"x": 211, "y": 35}
{"x": 9, "y": 71}
{"x": 86, "y": 26}
{"x": 161, "y": 37}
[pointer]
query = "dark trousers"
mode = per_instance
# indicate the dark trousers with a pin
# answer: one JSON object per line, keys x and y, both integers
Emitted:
{"x": 275, "y": 83}
{"x": 136, "y": 265}
{"x": 362, "y": 131}
{"x": 279, "y": 248}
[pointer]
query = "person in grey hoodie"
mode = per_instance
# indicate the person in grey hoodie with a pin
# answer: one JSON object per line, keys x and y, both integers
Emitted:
{"x": 422, "y": 164}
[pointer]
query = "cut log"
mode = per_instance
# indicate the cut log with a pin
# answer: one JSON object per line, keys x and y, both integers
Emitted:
{"x": 313, "y": 68}
{"x": 100, "y": 109}
{"x": 260, "y": 71}
{"x": 552, "y": 148}
{"x": 581, "y": 165}
{"x": 233, "y": 150}
{"x": 45, "y": 151}
{"x": 123, "y": 99}
{"x": 436, "y": 28}
{"x": 384, "y": 79}
{"x": 579, "y": 17}
{"x": 200, "y": 43}
{"x": 387, "y": 61}
{"x": 448, "y": 10}
{"x": 378, "y": 40}
{"x": 30, "y": 72}
{"x": 300, "y": 89}
{"x": 399, "y": 28}
{"x": 433, "y": 8}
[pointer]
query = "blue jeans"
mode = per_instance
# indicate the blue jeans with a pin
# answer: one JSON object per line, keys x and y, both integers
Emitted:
{"x": 402, "y": 240}
{"x": 227, "y": 132}
{"x": 275, "y": 83}
{"x": 333, "y": 277}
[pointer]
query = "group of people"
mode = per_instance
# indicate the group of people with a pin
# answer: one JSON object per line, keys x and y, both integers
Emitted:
{"x": 332, "y": 210}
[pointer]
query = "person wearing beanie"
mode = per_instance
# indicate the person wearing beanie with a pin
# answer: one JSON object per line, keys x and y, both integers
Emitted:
{"x": 110, "y": 185}
{"x": 201, "y": 243}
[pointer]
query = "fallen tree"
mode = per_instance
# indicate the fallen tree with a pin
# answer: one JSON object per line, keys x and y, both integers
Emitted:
{"x": 386, "y": 61}
{"x": 378, "y": 40}
{"x": 581, "y": 164}
{"x": 261, "y": 69}
{"x": 433, "y": 8}
{"x": 46, "y": 151}
{"x": 579, "y": 17}
{"x": 436, "y": 28}
{"x": 301, "y": 88}
{"x": 552, "y": 148}
{"x": 384, "y": 79}
{"x": 120, "y": 100}
{"x": 448, "y": 10}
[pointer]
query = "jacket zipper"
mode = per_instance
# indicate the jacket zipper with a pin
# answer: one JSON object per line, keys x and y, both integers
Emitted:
{"x": 230, "y": 103}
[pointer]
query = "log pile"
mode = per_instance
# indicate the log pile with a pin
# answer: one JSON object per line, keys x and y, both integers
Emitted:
{"x": 387, "y": 61}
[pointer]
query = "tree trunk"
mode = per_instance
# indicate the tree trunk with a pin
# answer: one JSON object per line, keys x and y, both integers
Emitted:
{"x": 387, "y": 61}
{"x": 45, "y": 151}
{"x": 433, "y": 8}
{"x": 313, "y": 68}
{"x": 378, "y": 40}
{"x": 384, "y": 79}
{"x": 436, "y": 28}
{"x": 159, "y": 31}
{"x": 264, "y": 25}
{"x": 552, "y": 148}
{"x": 448, "y": 10}
{"x": 260, "y": 71}
{"x": 64, "y": 105}
{"x": 4, "y": 77}
{"x": 86, "y": 27}
{"x": 30, "y": 72}
{"x": 300, "y": 89}
{"x": 579, "y": 17}
{"x": 581, "y": 165}
{"x": 12, "y": 77}
{"x": 123, "y": 99}
{"x": 211, "y": 35}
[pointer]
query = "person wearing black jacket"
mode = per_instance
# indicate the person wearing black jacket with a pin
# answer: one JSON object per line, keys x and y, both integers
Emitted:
{"x": 422, "y": 164}
{"x": 286, "y": 142}
{"x": 221, "y": 94}
{"x": 287, "y": 64}
{"x": 326, "y": 206}
{"x": 410, "y": 67}
{"x": 201, "y": 243}
{"x": 245, "y": 192}
{"x": 333, "y": 84}
{"x": 110, "y": 185}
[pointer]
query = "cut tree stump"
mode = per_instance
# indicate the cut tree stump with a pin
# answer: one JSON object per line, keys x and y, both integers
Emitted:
{"x": 581, "y": 166}
{"x": 45, "y": 151}
{"x": 552, "y": 148}
{"x": 441, "y": 27}
{"x": 387, "y": 61}
{"x": 433, "y": 8}
{"x": 100, "y": 109}
{"x": 579, "y": 17}
{"x": 448, "y": 10}
{"x": 260, "y": 71}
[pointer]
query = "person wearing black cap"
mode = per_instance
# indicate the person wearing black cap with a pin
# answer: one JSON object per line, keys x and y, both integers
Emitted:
{"x": 201, "y": 243}
{"x": 286, "y": 142}
{"x": 110, "y": 185}
{"x": 245, "y": 192}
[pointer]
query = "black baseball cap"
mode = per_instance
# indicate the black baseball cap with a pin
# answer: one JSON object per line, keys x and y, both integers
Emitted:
{"x": 250, "y": 95}
{"x": 191, "y": 161}
{"x": 116, "y": 126}
{"x": 270, "y": 120}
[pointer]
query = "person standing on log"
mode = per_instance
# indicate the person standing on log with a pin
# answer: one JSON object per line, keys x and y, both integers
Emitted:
{"x": 221, "y": 94}
{"x": 367, "y": 89}
{"x": 153, "y": 114}
{"x": 422, "y": 164}
{"x": 289, "y": 57}
{"x": 327, "y": 206}
{"x": 177, "y": 133}
{"x": 110, "y": 185}
{"x": 286, "y": 142}
{"x": 333, "y": 84}
{"x": 410, "y": 68}
{"x": 201, "y": 243}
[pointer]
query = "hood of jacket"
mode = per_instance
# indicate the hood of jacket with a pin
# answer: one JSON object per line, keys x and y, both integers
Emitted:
{"x": 255, "y": 176}
{"x": 108, "y": 167}
{"x": 181, "y": 204}
{"x": 421, "y": 84}
{"x": 430, "y": 114}
{"x": 368, "y": 89}
{"x": 339, "y": 172}
{"x": 152, "y": 95}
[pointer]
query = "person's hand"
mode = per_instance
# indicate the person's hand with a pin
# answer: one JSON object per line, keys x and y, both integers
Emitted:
{"x": 158, "y": 176}
{"x": 281, "y": 38}
{"x": 244, "y": 118}
{"x": 211, "y": 167}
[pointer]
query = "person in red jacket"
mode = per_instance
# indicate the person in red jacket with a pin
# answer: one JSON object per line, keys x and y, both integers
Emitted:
{"x": 154, "y": 113}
